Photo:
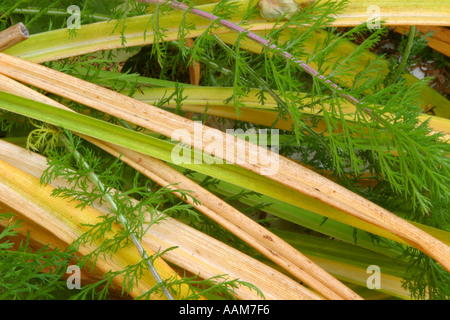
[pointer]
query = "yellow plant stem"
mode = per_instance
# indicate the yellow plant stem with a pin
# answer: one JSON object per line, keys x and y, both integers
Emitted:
{"x": 395, "y": 12}
{"x": 59, "y": 217}
{"x": 39, "y": 237}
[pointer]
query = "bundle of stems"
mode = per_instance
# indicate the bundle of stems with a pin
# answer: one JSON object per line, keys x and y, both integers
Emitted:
{"x": 242, "y": 226}
{"x": 150, "y": 156}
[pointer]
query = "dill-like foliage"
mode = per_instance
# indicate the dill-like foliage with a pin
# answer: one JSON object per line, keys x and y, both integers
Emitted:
{"x": 28, "y": 274}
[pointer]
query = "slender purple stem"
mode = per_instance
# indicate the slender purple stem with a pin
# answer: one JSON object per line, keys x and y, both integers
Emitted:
{"x": 257, "y": 39}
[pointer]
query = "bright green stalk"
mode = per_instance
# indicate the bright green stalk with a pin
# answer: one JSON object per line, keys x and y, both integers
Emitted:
{"x": 399, "y": 70}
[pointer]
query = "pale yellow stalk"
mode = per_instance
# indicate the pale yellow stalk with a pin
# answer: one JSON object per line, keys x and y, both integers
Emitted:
{"x": 395, "y": 12}
{"x": 13, "y": 35}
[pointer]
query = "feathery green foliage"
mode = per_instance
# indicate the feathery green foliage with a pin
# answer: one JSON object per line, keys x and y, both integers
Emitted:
{"x": 28, "y": 274}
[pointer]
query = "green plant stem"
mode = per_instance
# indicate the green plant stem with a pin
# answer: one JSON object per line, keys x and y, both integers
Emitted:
{"x": 5, "y": 14}
{"x": 53, "y": 4}
{"x": 95, "y": 179}
{"x": 398, "y": 72}
{"x": 55, "y": 12}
